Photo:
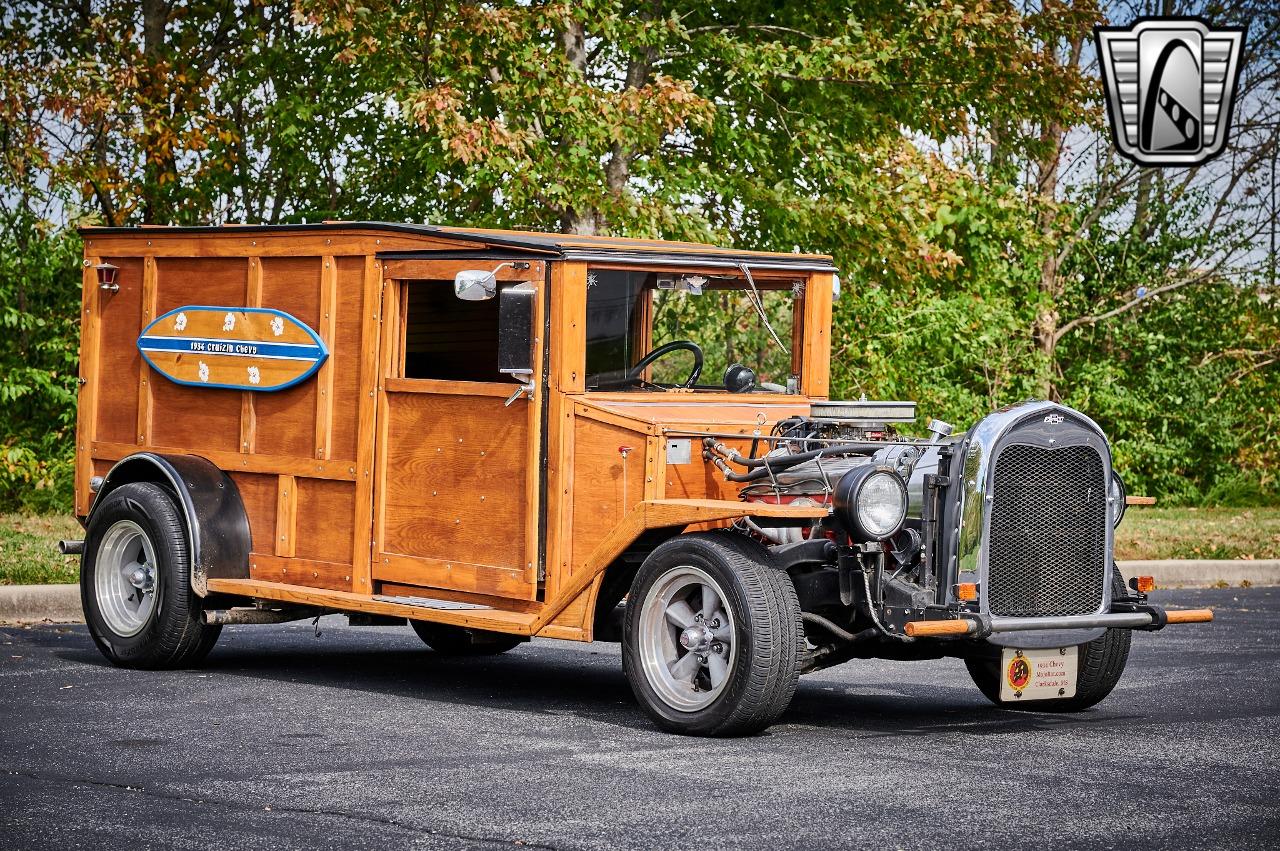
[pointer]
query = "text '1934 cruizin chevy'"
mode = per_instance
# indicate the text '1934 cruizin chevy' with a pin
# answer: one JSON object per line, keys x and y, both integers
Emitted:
{"x": 494, "y": 435}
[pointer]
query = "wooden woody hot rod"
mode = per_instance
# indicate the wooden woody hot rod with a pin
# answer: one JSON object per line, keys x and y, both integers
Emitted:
{"x": 496, "y": 435}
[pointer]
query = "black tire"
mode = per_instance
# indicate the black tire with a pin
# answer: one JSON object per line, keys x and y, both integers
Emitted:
{"x": 174, "y": 634}
{"x": 767, "y": 634}
{"x": 1102, "y": 663}
{"x": 461, "y": 641}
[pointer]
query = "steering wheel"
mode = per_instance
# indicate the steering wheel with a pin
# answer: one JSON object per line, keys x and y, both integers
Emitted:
{"x": 662, "y": 351}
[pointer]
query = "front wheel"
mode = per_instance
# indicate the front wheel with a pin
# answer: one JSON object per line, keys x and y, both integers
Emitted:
{"x": 135, "y": 582}
{"x": 712, "y": 636}
{"x": 1102, "y": 663}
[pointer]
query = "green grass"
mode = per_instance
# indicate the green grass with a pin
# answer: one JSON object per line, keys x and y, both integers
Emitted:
{"x": 29, "y": 553}
{"x": 29, "y": 549}
{"x": 1151, "y": 533}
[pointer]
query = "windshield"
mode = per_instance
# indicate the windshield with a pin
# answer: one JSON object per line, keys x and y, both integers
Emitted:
{"x": 633, "y": 313}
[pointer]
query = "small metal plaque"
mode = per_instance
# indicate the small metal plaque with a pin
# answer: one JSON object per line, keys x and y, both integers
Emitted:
{"x": 679, "y": 451}
{"x": 1038, "y": 674}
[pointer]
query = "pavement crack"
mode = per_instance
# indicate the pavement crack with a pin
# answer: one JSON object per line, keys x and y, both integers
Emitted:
{"x": 236, "y": 805}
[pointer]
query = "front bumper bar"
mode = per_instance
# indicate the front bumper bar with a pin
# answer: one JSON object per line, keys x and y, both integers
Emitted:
{"x": 1150, "y": 617}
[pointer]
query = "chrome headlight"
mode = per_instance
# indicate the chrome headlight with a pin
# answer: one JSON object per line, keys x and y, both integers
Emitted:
{"x": 1118, "y": 496}
{"x": 872, "y": 502}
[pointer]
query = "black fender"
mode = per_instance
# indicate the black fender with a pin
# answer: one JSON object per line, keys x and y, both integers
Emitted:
{"x": 217, "y": 526}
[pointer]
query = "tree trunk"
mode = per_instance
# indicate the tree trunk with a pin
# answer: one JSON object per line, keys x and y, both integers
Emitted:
{"x": 1046, "y": 324}
{"x": 574, "y": 40}
{"x": 1045, "y": 330}
{"x": 158, "y": 164}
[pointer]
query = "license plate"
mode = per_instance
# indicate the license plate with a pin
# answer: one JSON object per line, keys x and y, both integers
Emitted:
{"x": 1038, "y": 674}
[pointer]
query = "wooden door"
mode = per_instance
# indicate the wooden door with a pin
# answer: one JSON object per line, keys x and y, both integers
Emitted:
{"x": 457, "y": 489}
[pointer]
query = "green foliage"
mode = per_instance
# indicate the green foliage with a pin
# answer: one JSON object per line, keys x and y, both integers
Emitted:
{"x": 909, "y": 140}
{"x": 39, "y": 333}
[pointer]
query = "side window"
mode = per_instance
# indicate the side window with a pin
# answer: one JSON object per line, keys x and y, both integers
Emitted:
{"x": 447, "y": 338}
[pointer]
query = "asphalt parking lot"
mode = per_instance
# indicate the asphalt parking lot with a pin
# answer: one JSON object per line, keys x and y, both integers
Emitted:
{"x": 363, "y": 738}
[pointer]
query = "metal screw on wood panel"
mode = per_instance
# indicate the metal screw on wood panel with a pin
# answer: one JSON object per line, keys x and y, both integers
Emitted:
{"x": 482, "y": 499}
{"x": 346, "y": 579}
{"x": 433, "y": 493}
{"x": 481, "y": 451}
{"x": 328, "y": 242}
{"x": 314, "y": 574}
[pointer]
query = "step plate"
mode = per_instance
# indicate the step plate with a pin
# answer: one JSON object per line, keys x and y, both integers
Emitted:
{"x": 429, "y": 603}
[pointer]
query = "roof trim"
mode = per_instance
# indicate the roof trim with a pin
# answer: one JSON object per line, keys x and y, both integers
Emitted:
{"x": 569, "y": 246}
{"x": 802, "y": 263}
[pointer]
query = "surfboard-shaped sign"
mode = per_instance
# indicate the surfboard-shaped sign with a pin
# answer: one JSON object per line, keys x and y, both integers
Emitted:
{"x": 237, "y": 348}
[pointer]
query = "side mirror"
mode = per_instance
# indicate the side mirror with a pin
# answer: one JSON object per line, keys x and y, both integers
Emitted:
{"x": 515, "y": 330}
{"x": 474, "y": 285}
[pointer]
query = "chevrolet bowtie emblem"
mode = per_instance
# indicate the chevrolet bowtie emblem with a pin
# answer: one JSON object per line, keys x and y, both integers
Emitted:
{"x": 1170, "y": 85}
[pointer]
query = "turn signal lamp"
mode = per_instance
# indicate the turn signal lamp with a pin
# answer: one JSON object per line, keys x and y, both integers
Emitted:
{"x": 1144, "y": 583}
{"x": 967, "y": 591}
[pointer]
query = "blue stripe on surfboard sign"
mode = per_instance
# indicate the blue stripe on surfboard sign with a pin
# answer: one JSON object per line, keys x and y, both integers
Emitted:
{"x": 235, "y": 348}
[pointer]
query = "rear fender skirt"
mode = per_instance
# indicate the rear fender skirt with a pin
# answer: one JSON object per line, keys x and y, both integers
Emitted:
{"x": 217, "y": 526}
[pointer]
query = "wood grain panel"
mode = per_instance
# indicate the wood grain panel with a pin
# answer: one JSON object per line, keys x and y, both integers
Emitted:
{"x": 119, "y": 362}
{"x": 87, "y": 400}
{"x": 145, "y": 378}
{"x": 299, "y": 571}
{"x": 258, "y": 493}
{"x": 452, "y": 574}
{"x": 815, "y": 381}
{"x": 194, "y": 280}
{"x": 367, "y": 425}
{"x": 455, "y": 479}
{"x": 326, "y": 517}
{"x": 345, "y": 355}
{"x": 195, "y": 419}
{"x": 605, "y": 486}
{"x": 286, "y": 517}
{"x": 286, "y": 421}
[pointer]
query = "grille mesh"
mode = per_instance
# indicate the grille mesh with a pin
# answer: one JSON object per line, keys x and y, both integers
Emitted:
{"x": 1048, "y": 544}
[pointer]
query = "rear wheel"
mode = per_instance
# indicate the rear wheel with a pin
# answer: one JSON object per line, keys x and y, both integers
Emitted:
{"x": 712, "y": 635}
{"x": 135, "y": 582}
{"x": 460, "y": 641}
{"x": 1101, "y": 665}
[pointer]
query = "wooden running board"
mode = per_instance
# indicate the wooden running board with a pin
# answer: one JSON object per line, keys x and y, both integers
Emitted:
{"x": 516, "y": 623}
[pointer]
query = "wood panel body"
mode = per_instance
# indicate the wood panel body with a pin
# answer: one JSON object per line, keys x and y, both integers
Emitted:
{"x": 456, "y": 484}
{"x": 301, "y": 457}
{"x": 360, "y": 482}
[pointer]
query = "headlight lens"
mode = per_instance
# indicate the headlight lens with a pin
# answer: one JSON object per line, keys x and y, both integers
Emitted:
{"x": 872, "y": 501}
{"x": 1118, "y": 494}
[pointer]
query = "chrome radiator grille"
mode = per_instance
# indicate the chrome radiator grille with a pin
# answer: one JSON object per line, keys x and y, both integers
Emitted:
{"x": 1048, "y": 544}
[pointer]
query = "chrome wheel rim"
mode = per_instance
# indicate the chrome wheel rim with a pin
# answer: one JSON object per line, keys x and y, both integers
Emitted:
{"x": 125, "y": 578}
{"x": 686, "y": 639}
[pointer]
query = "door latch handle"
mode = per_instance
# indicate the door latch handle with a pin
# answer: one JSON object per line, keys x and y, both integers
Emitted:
{"x": 527, "y": 387}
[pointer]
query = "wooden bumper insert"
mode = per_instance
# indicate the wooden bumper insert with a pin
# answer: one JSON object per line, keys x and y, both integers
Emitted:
{"x": 964, "y": 626}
